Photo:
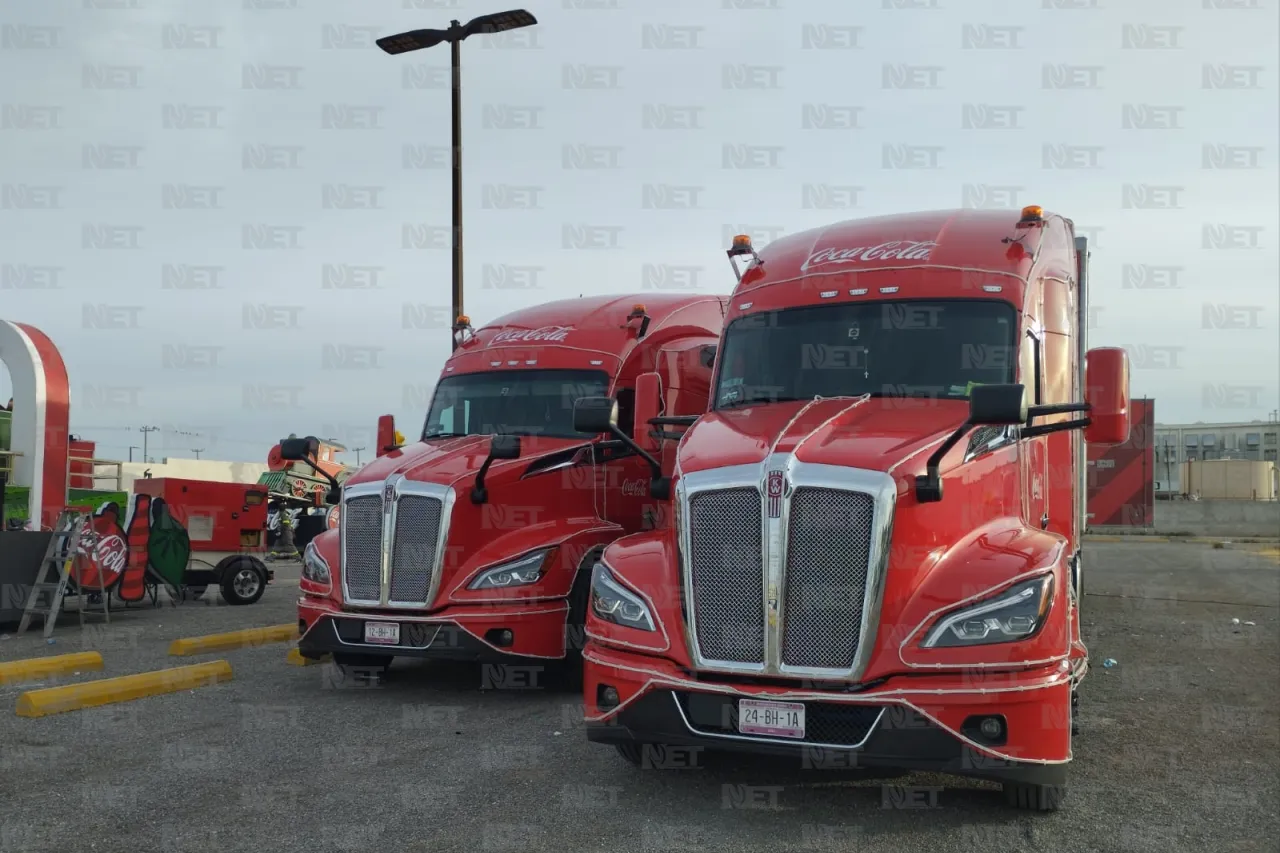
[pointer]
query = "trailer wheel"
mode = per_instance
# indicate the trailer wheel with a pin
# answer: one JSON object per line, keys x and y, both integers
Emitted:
{"x": 1037, "y": 798}
{"x": 244, "y": 579}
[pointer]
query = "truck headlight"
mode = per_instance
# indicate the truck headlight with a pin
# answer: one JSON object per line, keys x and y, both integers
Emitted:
{"x": 1015, "y": 614}
{"x": 521, "y": 572}
{"x": 612, "y": 603}
{"x": 314, "y": 568}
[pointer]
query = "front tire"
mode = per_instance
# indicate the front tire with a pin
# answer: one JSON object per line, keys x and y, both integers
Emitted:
{"x": 568, "y": 672}
{"x": 1036, "y": 798}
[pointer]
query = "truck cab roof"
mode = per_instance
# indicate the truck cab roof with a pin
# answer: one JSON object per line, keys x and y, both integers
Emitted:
{"x": 932, "y": 254}
{"x": 598, "y": 332}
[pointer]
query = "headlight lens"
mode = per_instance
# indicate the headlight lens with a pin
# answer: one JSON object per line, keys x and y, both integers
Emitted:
{"x": 314, "y": 568}
{"x": 613, "y": 603}
{"x": 1015, "y": 614}
{"x": 521, "y": 572}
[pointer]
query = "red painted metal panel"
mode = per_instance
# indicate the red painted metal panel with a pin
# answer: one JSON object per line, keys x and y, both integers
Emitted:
{"x": 1122, "y": 478}
{"x": 81, "y": 472}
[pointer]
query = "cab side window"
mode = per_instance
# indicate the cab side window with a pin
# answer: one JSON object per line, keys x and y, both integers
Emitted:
{"x": 627, "y": 411}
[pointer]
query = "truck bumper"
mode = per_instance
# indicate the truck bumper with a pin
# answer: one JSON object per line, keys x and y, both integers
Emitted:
{"x": 537, "y": 631}
{"x": 927, "y": 723}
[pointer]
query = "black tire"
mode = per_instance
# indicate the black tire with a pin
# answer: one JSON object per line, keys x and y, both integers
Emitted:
{"x": 1036, "y": 798}
{"x": 244, "y": 580}
{"x": 632, "y": 753}
{"x": 567, "y": 673}
{"x": 356, "y": 666}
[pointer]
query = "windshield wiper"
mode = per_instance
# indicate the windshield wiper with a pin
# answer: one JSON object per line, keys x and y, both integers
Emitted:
{"x": 432, "y": 435}
{"x": 755, "y": 401}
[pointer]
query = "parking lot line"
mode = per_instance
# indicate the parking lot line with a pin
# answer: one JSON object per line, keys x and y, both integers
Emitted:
{"x": 233, "y": 640}
{"x": 32, "y": 669}
{"x": 107, "y": 691}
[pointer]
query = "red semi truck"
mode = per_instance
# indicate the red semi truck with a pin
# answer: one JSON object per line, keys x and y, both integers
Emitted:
{"x": 876, "y": 552}
{"x": 477, "y": 541}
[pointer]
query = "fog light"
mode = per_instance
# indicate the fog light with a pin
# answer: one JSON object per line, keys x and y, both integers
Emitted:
{"x": 501, "y": 637}
{"x": 991, "y": 728}
{"x": 606, "y": 697}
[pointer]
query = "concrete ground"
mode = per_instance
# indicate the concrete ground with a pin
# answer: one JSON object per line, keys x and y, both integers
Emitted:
{"x": 1177, "y": 750}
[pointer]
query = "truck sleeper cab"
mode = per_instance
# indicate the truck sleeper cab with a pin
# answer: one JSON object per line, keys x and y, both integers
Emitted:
{"x": 476, "y": 542}
{"x": 876, "y": 550}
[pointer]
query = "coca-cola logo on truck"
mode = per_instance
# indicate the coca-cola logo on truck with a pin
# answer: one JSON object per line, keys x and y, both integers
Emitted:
{"x": 893, "y": 250}
{"x": 546, "y": 333}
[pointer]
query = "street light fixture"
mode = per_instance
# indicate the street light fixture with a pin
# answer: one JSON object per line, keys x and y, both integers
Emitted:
{"x": 422, "y": 39}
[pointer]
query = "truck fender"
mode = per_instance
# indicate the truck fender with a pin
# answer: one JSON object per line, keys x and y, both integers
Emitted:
{"x": 574, "y": 539}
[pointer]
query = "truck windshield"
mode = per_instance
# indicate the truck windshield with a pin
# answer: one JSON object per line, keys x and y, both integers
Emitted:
{"x": 913, "y": 348}
{"x": 512, "y": 402}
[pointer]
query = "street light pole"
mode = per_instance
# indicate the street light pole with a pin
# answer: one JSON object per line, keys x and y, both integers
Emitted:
{"x": 457, "y": 32}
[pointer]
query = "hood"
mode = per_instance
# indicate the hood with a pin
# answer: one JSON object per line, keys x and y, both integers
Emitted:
{"x": 870, "y": 433}
{"x": 446, "y": 461}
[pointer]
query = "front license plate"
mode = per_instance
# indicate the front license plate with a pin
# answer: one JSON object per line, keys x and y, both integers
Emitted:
{"x": 775, "y": 719}
{"x": 384, "y": 633}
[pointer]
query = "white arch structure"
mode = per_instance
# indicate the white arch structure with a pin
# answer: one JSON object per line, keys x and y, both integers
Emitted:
{"x": 41, "y": 418}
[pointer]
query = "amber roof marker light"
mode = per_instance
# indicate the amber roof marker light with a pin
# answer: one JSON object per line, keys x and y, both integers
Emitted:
{"x": 498, "y": 22}
{"x": 742, "y": 246}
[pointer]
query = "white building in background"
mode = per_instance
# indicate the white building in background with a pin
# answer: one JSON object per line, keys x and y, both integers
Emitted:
{"x": 211, "y": 470}
{"x": 1176, "y": 444}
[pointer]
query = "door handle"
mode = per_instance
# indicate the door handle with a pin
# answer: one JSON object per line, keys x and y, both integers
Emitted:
{"x": 1044, "y": 521}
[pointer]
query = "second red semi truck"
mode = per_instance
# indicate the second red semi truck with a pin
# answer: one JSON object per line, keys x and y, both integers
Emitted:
{"x": 876, "y": 553}
{"x": 477, "y": 541}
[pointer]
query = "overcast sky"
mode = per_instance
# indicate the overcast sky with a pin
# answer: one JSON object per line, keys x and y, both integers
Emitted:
{"x": 193, "y": 289}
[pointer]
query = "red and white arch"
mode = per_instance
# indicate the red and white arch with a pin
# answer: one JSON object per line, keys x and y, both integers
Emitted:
{"x": 41, "y": 417}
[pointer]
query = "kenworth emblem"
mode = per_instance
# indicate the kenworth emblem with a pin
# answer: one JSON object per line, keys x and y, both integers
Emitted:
{"x": 774, "y": 486}
{"x": 389, "y": 493}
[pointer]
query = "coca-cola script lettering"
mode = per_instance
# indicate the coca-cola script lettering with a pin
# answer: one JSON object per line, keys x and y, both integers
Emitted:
{"x": 111, "y": 555}
{"x": 546, "y": 333}
{"x": 634, "y": 488}
{"x": 894, "y": 250}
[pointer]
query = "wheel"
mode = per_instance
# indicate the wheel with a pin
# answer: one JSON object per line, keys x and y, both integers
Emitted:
{"x": 631, "y": 752}
{"x": 1036, "y": 798}
{"x": 568, "y": 672}
{"x": 361, "y": 667}
{"x": 244, "y": 580}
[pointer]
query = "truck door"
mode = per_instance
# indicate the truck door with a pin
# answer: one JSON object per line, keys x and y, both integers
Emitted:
{"x": 1034, "y": 451}
{"x": 623, "y": 475}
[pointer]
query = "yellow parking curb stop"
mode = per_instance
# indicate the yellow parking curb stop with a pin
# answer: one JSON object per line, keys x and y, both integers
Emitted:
{"x": 34, "y": 669}
{"x": 295, "y": 658}
{"x": 233, "y": 640}
{"x": 107, "y": 691}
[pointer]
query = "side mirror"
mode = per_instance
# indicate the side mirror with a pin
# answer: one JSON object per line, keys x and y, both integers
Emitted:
{"x": 504, "y": 447}
{"x": 299, "y": 449}
{"x": 998, "y": 405}
{"x": 595, "y": 415}
{"x": 388, "y": 437}
{"x": 1106, "y": 379}
{"x": 334, "y": 497}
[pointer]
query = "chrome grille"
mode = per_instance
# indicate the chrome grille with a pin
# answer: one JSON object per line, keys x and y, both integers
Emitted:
{"x": 828, "y": 553}
{"x": 413, "y": 553}
{"x": 727, "y": 574}
{"x": 361, "y": 521}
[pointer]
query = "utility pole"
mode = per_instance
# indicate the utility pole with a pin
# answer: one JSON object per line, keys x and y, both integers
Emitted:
{"x": 145, "y": 431}
{"x": 197, "y": 451}
{"x": 357, "y": 450}
{"x": 132, "y": 448}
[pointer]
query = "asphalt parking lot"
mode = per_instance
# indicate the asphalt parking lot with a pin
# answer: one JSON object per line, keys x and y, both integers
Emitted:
{"x": 1177, "y": 750}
